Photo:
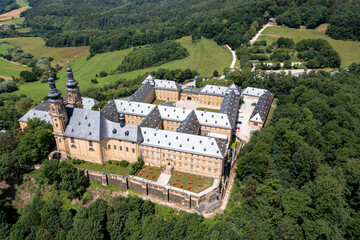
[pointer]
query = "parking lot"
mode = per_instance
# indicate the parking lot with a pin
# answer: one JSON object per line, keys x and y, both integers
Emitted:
{"x": 244, "y": 133}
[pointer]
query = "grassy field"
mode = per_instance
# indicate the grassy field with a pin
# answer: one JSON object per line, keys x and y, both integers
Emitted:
{"x": 107, "y": 168}
{"x": 205, "y": 57}
{"x": 8, "y": 69}
{"x": 348, "y": 50}
{"x": 150, "y": 173}
{"x": 272, "y": 110}
{"x": 194, "y": 183}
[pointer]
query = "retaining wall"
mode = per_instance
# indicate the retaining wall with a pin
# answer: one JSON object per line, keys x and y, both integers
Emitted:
{"x": 200, "y": 202}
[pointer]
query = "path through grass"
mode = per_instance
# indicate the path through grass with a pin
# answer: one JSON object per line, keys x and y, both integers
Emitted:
{"x": 349, "y": 51}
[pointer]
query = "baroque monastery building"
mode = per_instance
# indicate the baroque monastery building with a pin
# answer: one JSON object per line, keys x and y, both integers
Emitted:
{"x": 163, "y": 135}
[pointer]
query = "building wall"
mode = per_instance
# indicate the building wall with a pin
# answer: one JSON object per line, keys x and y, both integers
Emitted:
{"x": 259, "y": 125}
{"x": 250, "y": 98}
{"x": 133, "y": 119}
{"x": 89, "y": 151}
{"x": 23, "y": 125}
{"x": 212, "y": 100}
{"x": 171, "y": 125}
{"x": 205, "y": 129}
{"x": 184, "y": 162}
{"x": 184, "y": 96}
{"x": 113, "y": 149}
{"x": 167, "y": 95}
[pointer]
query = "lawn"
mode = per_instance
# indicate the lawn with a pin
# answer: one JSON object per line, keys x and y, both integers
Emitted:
{"x": 208, "y": 109}
{"x": 194, "y": 183}
{"x": 9, "y": 69}
{"x": 150, "y": 173}
{"x": 272, "y": 110}
{"x": 205, "y": 56}
{"x": 348, "y": 50}
{"x": 106, "y": 167}
{"x": 15, "y": 21}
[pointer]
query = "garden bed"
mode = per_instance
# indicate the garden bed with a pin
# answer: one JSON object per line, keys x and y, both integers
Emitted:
{"x": 190, "y": 182}
{"x": 150, "y": 173}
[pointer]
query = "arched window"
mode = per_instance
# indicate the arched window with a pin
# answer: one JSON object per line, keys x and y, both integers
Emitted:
{"x": 73, "y": 146}
{"x": 91, "y": 150}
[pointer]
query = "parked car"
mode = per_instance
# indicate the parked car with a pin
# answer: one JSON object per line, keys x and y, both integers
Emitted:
{"x": 237, "y": 128}
{"x": 241, "y": 116}
{"x": 239, "y": 122}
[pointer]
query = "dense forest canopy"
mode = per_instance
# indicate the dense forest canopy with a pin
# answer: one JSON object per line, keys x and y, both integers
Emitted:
{"x": 112, "y": 25}
{"x": 8, "y": 5}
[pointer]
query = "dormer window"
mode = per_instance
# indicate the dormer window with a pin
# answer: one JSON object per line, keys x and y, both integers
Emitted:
{"x": 127, "y": 133}
{"x": 114, "y": 131}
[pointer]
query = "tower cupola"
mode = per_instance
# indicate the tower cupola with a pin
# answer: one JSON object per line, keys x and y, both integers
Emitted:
{"x": 54, "y": 95}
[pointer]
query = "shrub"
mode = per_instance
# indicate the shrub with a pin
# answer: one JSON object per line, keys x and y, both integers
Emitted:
{"x": 124, "y": 163}
{"x": 103, "y": 74}
{"x": 136, "y": 167}
{"x": 77, "y": 161}
{"x": 86, "y": 197}
{"x": 94, "y": 80}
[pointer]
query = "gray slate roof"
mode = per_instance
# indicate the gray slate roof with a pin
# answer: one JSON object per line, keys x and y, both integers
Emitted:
{"x": 213, "y": 90}
{"x": 190, "y": 125}
{"x": 88, "y": 103}
{"x": 167, "y": 104}
{"x": 152, "y": 120}
{"x": 42, "y": 115}
{"x": 196, "y": 144}
{"x": 141, "y": 94}
{"x": 94, "y": 126}
{"x": 43, "y": 107}
{"x": 110, "y": 111}
{"x": 262, "y": 108}
{"x": 230, "y": 106}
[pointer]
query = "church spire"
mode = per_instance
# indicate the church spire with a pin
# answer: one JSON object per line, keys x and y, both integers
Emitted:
{"x": 54, "y": 94}
{"x": 73, "y": 92}
{"x": 71, "y": 83}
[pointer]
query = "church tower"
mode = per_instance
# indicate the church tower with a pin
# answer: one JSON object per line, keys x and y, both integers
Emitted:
{"x": 73, "y": 92}
{"x": 58, "y": 112}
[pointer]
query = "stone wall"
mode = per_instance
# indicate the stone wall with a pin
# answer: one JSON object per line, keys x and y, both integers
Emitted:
{"x": 207, "y": 201}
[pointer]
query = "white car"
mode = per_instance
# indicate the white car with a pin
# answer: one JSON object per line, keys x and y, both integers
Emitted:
{"x": 241, "y": 116}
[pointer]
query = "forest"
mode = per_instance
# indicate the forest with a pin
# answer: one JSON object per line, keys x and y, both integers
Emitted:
{"x": 110, "y": 25}
{"x": 152, "y": 55}
{"x": 8, "y": 5}
{"x": 298, "y": 178}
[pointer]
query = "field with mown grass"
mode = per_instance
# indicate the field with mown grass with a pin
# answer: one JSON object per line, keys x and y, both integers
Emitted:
{"x": 194, "y": 183}
{"x": 349, "y": 51}
{"x": 106, "y": 167}
{"x": 8, "y": 69}
{"x": 205, "y": 56}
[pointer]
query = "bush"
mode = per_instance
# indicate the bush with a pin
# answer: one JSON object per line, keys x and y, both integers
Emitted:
{"x": 136, "y": 167}
{"x": 94, "y": 80}
{"x": 103, "y": 74}
{"x": 86, "y": 197}
{"x": 124, "y": 163}
{"x": 7, "y": 86}
{"x": 77, "y": 161}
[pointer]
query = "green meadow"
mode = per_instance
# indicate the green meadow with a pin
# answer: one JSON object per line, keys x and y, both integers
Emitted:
{"x": 349, "y": 51}
{"x": 8, "y": 69}
{"x": 205, "y": 56}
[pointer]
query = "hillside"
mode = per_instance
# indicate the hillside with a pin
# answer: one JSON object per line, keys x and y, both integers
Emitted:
{"x": 346, "y": 49}
{"x": 204, "y": 56}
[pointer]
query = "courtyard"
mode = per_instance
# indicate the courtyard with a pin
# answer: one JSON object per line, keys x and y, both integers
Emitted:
{"x": 194, "y": 105}
{"x": 246, "y": 109}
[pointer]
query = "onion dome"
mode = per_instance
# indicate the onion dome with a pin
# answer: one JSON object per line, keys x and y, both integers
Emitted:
{"x": 54, "y": 94}
{"x": 71, "y": 83}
